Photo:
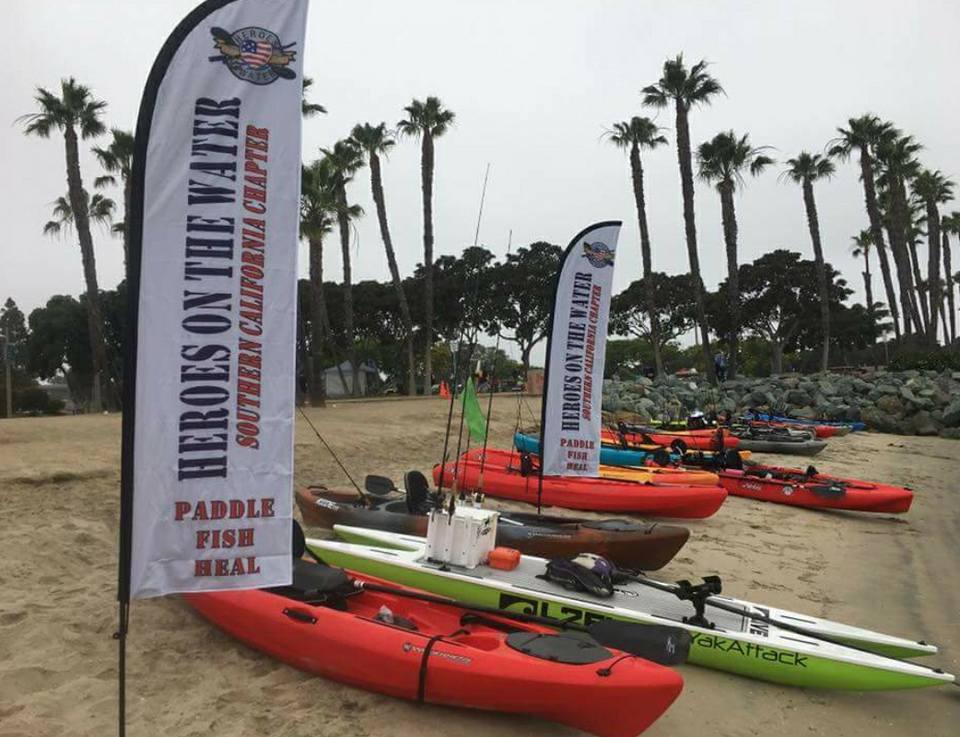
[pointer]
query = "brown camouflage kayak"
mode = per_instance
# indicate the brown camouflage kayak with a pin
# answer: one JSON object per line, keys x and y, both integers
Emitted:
{"x": 630, "y": 544}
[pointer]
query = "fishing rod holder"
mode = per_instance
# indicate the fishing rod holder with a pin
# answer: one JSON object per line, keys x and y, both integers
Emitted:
{"x": 697, "y": 594}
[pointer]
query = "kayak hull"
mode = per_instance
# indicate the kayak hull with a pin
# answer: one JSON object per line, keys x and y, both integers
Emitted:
{"x": 784, "y": 447}
{"x": 501, "y": 478}
{"x": 468, "y": 665}
{"x": 760, "y": 652}
{"x": 693, "y": 439}
{"x": 635, "y": 545}
{"x": 800, "y": 491}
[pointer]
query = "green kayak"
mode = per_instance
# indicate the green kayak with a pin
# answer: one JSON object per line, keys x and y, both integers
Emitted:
{"x": 732, "y": 643}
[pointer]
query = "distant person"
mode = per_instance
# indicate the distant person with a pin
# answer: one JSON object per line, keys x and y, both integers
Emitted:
{"x": 720, "y": 366}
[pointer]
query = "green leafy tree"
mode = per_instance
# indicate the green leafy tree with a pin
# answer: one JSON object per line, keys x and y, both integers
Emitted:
{"x": 722, "y": 161}
{"x": 76, "y": 114}
{"x": 523, "y": 296}
{"x": 804, "y": 170}
{"x": 427, "y": 120}
{"x": 781, "y": 302}
{"x": 117, "y": 161}
{"x": 376, "y": 140}
{"x": 344, "y": 159}
{"x": 14, "y": 326}
{"x": 677, "y": 315}
{"x": 934, "y": 189}
{"x": 634, "y": 135}
{"x": 685, "y": 88}
{"x": 863, "y": 135}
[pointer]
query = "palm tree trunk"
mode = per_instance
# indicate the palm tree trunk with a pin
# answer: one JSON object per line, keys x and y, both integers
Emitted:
{"x": 319, "y": 325}
{"x": 127, "y": 199}
{"x": 948, "y": 281}
{"x": 376, "y": 184}
{"x": 896, "y": 231}
{"x": 868, "y": 285}
{"x": 344, "y": 222}
{"x": 636, "y": 171}
{"x": 426, "y": 184}
{"x": 876, "y": 231}
{"x": 933, "y": 270}
{"x": 81, "y": 221}
{"x": 919, "y": 287}
{"x": 729, "y": 216}
{"x": 813, "y": 223}
{"x": 690, "y": 226}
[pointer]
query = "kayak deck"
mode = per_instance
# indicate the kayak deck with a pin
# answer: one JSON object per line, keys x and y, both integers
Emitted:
{"x": 736, "y": 643}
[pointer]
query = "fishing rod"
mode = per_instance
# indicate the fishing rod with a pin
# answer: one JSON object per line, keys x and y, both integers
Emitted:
{"x": 343, "y": 468}
{"x": 493, "y": 375}
{"x": 462, "y": 330}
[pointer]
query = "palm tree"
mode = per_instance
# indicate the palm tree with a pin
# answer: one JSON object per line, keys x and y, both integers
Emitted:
{"x": 77, "y": 115}
{"x": 933, "y": 188}
{"x": 863, "y": 134}
{"x": 427, "y": 120}
{"x": 376, "y": 140}
{"x": 117, "y": 158}
{"x": 950, "y": 224}
{"x": 805, "y": 169}
{"x": 309, "y": 109}
{"x": 685, "y": 89}
{"x": 722, "y": 161}
{"x": 344, "y": 159}
{"x": 633, "y": 135}
{"x": 318, "y": 208}
{"x": 862, "y": 243}
{"x": 896, "y": 154}
{"x": 99, "y": 210}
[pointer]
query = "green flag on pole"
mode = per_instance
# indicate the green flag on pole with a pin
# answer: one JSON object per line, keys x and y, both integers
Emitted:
{"x": 472, "y": 413}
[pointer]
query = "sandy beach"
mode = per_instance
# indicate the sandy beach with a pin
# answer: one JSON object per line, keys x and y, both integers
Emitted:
{"x": 59, "y": 480}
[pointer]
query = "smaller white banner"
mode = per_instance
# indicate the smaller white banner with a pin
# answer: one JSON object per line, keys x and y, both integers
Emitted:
{"x": 575, "y": 354}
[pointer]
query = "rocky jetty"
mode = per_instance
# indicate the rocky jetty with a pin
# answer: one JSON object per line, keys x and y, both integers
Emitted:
{"x": 905, "y": 402}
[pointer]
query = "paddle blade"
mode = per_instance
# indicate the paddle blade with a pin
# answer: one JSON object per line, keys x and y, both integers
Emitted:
{"x": 379, "y": 485}
{"x": 660, "y": 643}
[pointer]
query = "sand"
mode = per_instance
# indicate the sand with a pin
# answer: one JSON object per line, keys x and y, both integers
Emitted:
{"x": 58, "y": 529}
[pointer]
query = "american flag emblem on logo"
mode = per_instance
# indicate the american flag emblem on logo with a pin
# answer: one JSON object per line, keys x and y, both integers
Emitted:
{"x": 255, "y": 53}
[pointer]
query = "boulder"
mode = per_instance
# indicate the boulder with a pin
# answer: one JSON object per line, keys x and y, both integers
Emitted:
{"x": 890, "y": 405}
{"x": 877, "y": 419}
{"x": 951, "y": 414}
{"x": 797, "y": 397}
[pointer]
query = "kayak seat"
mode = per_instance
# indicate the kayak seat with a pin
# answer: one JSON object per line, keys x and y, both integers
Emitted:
{"x": 574, "y": 648}
{"x": 418, "y": 489}
{"x": 316, "y": 583}
{"x": 399, "y": 507}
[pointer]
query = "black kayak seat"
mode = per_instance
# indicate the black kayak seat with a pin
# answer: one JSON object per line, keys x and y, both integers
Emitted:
{"x": 315, "y": 582}
{"x": 573, "y": 648}
{"x": 418, "y": 489}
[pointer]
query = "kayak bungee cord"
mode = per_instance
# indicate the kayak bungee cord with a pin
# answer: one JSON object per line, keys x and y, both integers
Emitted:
{"x": 327, "y": 445}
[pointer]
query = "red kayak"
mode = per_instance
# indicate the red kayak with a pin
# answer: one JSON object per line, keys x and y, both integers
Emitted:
{"x": 503, "y": 479}
{"x": 693, "y": 439}
{"x": 436, "y": 653}
{"x": 819, "y": 491}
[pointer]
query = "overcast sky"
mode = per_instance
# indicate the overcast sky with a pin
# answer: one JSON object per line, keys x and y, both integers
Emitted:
{"x": 534, "y": 84}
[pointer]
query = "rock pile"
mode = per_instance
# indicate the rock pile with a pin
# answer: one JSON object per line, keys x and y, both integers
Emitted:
{"x": 905, "y": 402}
